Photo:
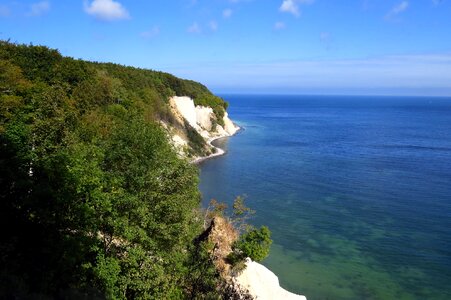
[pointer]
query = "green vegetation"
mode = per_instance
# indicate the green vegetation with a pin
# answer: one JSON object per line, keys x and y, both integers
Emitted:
{"x": 219, "y": 105}
{"x": 254, "y": 244}
{"x": 94, "y": 203}
{"x": 89, "y": 83}
{"x": 196, "y": 141}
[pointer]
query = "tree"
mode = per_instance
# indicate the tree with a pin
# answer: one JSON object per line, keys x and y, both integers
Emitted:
{"x": 254, "y": 244}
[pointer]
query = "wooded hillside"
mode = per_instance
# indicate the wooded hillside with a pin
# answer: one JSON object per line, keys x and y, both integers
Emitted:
{"x": 94, "y": 203}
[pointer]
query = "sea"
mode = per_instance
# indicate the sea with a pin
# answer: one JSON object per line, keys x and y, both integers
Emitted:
{"x": 356, "y": 191}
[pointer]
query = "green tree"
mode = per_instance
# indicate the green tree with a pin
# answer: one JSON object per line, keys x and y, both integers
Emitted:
{"x": 254, "y": 244}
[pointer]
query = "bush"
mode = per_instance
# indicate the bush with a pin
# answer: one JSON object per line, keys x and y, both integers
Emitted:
{"x": 254, "y": 244}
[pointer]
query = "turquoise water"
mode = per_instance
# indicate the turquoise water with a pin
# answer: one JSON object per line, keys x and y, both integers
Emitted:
{"x": 356, "y": 191}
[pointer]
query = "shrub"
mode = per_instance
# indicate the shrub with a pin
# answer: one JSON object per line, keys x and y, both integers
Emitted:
{"x": 254, "y": 244}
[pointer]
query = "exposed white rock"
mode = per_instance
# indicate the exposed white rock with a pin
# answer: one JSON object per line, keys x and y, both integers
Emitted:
{"x": 229, "y": 127}
{"x": 263, "y": 284}
{"x": 185, "y": 106}
{"x": 200, "y": 118}
{"x": 203, "y": 117}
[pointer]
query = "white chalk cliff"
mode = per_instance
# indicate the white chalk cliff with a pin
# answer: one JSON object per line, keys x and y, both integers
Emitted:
{"x": 263, "y": 284}
{"x": 201, "y": 119}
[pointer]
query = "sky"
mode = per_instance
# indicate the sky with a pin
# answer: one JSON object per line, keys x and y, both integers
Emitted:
{"x": 355, "y": 47}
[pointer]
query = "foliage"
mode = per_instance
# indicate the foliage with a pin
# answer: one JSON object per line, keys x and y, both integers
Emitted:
{"x": 196, "y": 141}
{"x": 94, "y": 202}
{"x": 219, "y": 105}
{"x": 204, "y": 278}
{"x": 90, "y": 84}
{"x": 254, "y": 244}
{"x": 241, "y": 213}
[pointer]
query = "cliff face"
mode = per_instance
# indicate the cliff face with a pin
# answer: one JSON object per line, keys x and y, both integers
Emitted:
{"x": 263, "y": 284}
{"x": 203, "y": 120}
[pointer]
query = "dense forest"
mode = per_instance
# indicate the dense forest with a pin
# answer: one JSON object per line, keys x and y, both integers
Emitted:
{"x": 94, "y": 202}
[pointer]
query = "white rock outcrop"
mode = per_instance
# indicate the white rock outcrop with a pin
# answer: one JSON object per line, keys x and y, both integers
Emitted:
{"x": 263, "y": 284}
{"x": 203, "y": 117}
{"x": 229, "y": 127}
{"x": 185, "y": 106}
{"x": 200, "y": 118}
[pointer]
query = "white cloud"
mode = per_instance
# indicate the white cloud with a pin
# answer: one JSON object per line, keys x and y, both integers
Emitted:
{"x": 106, "y": 10}
{"x": 39, "y": 8}
{"x": 227, "y": 13}
{"x": 397, "y": 9}
{"x": 213, "y": 25}
{"x": 153, "y": 32}
{"x": 194, "y": 28}
{"x": 279, "y": 25}
{"x": 292, "y": 6}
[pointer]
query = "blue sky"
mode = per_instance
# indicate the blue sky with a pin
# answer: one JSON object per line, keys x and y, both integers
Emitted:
{"x": 399, "y": 47}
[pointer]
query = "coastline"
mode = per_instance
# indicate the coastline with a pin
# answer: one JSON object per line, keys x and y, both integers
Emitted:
{"x": 219, "y": 151}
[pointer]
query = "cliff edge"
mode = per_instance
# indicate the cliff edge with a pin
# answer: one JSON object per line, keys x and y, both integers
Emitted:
{"x": 263, "y": 284}
{"x": 203, "y": 120}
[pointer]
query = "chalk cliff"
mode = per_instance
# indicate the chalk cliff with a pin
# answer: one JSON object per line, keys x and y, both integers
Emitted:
{"x": 203, "y": 120}
{"x": 263, "y": 284}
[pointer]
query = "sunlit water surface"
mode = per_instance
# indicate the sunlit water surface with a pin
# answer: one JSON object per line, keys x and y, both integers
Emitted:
{"x": 356, "y": 191}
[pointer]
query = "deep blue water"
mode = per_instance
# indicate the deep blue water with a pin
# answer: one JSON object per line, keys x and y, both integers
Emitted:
{"x": 356, "y": 191}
